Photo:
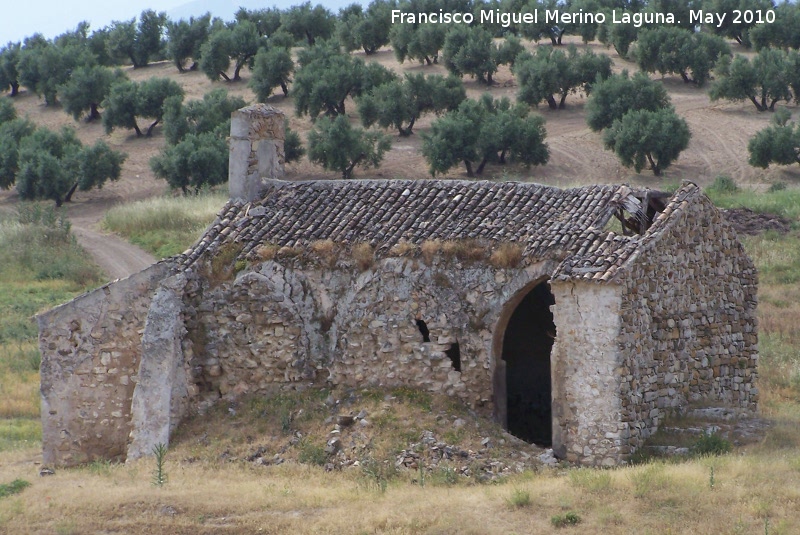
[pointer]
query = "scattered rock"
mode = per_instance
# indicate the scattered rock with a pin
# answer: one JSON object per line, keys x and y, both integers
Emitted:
{"x": 345, "y": 421}
{"x": 46, "y": 471}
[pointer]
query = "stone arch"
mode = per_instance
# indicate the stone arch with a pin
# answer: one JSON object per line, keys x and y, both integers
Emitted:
{"x": 521, "y": 347}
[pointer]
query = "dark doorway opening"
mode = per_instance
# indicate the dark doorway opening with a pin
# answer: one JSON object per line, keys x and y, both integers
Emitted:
{"x": 526, "y": 351}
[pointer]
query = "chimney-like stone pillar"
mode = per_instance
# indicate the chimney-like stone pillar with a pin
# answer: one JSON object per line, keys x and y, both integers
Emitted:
{"x": 256, "y": 150}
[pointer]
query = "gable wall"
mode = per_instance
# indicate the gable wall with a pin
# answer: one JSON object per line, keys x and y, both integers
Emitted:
{"x": 91, "y": 349}
{"x": 688, "y": 321}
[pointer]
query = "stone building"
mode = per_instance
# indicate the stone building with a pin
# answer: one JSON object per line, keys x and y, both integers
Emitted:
{"x": 578, "y": 318}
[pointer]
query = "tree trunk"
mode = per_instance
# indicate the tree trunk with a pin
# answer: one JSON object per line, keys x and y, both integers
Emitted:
{"x": 150, "y": 128}
{"x": 71, "y": 191}
{"x": 755, "y": 102}
{"x": 552, "y": 102}
{"x": 137, "y": 129}
{"x": 468, "y": 164}
{"x": 369, "y": 51}
{"x": 479, "y": 170}
{"x": 561, "y": 104}
{"x": 489, "y": 79}
{"x": 238, "y": 68}
{"x": 340, "y": 108}
{"x": 405, "y": 132}
{"x": 14, "y": 89}
{"x": 285, "y": 89}
{"x": 194, "y": 66}
{"x": 225, "y": 76}
{"x": 503, "y": 156}
{"x": 59, "y": 202}
{"x": 94, "y": 114}
{"x": 772, "y": 104}
{"x": 428, "y": 60}
{"x": 179, "y": 64}
{"x": 653, "y": 165}
{"x": 347, "y": 173}
{"x": 685, "y": 77}
{"x": 310, "y": 38}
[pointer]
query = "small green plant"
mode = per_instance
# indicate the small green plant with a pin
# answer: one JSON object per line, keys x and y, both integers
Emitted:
{"x": 711, "y": 481}
{"x": 711, "y": 444}
{"x": 776, "y": 187}
{"x": 519, "y": 498}
{"x": 377, "y": 473}
{"x": 311, "y": 453}
{"x": 724, "y": 184}
{"x": 570, "y": 518}
{"x": 445, "y": 475}
{"x": 159, "y": 474}
{"x": 15, "y": 487}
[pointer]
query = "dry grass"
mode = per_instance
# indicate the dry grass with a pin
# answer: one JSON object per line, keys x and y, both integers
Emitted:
{"x": 403, "y": 248}
{"x": 325, "y": 251}
{"x": 267, "y": 251}
{"x": 429, "y": 249}
{"x": 466, "y": 251}
{"x": 364, "y": 255}
{"x": 507, "y": 255}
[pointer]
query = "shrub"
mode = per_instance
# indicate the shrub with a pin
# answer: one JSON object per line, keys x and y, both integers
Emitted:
{"x": 711, "y": 444}
{"x": 570, "y": 518}
{"x": 519, "y": 498}
{"x": 723, "y": 184}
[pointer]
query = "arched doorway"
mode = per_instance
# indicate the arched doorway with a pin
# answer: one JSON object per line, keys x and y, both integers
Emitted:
{"x": 527, "y": 342}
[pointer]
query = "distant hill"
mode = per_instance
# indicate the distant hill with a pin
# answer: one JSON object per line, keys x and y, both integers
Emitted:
{"x": 225, "y": 9}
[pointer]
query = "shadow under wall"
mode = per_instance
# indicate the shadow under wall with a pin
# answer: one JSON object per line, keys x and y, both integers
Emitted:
{"x": 527, "y": 343}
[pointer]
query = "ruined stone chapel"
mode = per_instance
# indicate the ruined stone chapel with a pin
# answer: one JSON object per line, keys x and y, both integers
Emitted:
{"x": 578, "y": 318}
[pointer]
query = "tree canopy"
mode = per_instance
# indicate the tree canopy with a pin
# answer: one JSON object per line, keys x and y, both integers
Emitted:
{"x": 185, "y": 38}
{"x": 399, "y": 104}
{"x": 272, "y": 67}
{"x": 326, "y": 78}
{"x": 138, "y": 42}
{"x": 9, "y": 76}
{"x": 337, "y": 146}
{"x": 86, "y": 89}
{"x": 764, "y": 80}
{"x": 238, "y": 43}
{"x": 51, "y": 165}
{"x": 485, "y": 131}
{"x": 673, "y": 50}
{"x": 619, "y": 94}
{"x": 365, "y": 29}
{"x": 644, "y": 137}
{"x": 310, "y": 23}
{"x": 128, "y": 100}
{"x": 779, "y": 143}
{"x": 550, "y": 72}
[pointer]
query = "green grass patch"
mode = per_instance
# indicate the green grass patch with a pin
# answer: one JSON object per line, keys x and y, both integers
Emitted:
{"x": 15, "y": 487}
{"x": 776, "y": 256}
{"x": 19, "y": 433}
{"x": 165, "y": 226}
{"x": 782, "y": 202}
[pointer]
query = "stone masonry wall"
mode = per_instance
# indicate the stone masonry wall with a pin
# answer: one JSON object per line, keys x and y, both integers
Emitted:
{"x": 587, "y": 417}
{"x": 279, "y": 324}
{"x": 91, "y": 349}
{"x": 688, "y": 321}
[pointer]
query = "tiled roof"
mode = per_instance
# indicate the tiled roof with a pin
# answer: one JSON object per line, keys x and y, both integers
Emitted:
{"x": 548, "y": 222}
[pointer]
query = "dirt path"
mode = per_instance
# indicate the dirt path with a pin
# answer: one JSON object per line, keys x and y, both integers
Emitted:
{"x": 116, "y": 257}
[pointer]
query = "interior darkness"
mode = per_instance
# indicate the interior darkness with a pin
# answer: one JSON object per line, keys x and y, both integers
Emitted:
{"x": 454, "y": 353}
{"x": 526, "y": 350}
{"x": 423, "y": 330}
